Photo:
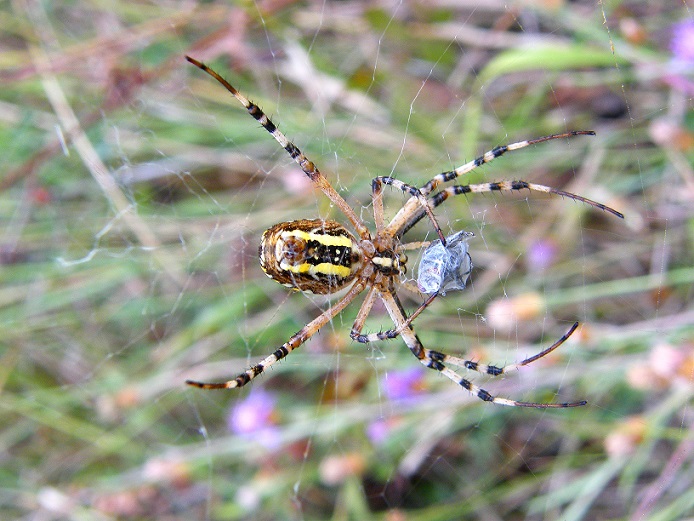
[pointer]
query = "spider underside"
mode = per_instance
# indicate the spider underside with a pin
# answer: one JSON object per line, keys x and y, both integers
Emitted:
{"x": 322, "y": 256}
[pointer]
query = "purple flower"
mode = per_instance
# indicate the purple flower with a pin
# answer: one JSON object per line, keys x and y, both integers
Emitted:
{"x": 378, "y": 431}
{"x": 541, "y": 255}
{"x": 401, "y": 385}
{"x": 682, "y": 43}
{"x": 252, "y": 413}
{"x": 255, "y": 416}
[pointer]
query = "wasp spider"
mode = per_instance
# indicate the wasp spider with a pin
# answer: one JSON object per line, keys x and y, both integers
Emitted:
{"x": 321, "y": 256}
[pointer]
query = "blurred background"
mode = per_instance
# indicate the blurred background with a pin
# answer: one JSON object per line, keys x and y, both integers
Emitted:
{"x": 135, "y": 190}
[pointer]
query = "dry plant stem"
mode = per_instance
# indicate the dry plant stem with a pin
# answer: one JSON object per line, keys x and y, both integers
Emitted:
{"x": 100, "y": 173}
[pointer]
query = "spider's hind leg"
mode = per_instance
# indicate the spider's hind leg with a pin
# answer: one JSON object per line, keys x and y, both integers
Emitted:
{"x": 493, "y": 370}
{"x": 436, "y": 360}
{"x": 290, "y": 345}
{"x": 485, "y": 396}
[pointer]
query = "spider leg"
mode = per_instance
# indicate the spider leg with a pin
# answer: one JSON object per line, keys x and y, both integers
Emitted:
{"x": 430, "y": 359}
{"x": 415, "y": 193}
{"x": 493, "y": 370}
{"x": 507, "y": 186}
{"x": 377, "y": 199}
{"x": 295, "y": 341}
{"x": 493, "y": 154}
{"x": 413, "y": 210}
{"x": 363, "y": 313}
{"x": 411, "y": 286}
{"x": 310, "y": 169}
{"x": 356, "y": 335}
{"x": 411, "y": 214}
{"x": 415, "y": 245}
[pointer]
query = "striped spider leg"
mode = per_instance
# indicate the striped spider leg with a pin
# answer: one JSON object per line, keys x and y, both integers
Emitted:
{"x": 403, "y": 220}
{"x": 295, "y": 341}
{"x": 438, "y": 361}
{"x": 322, "y": 257}
{"x": 307, "y": 166}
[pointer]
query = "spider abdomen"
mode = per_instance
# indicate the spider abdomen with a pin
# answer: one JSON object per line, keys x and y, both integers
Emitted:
{"x": 310, "y": 255}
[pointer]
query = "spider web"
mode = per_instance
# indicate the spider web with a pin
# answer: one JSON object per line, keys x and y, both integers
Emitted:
{"x": 150, "y": 275}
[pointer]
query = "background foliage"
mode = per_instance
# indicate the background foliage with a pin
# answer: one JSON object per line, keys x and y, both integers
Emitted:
{"x": 134, "y": 191}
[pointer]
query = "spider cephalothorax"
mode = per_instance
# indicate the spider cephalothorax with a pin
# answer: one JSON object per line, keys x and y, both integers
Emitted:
{"x": 322, "y": 257}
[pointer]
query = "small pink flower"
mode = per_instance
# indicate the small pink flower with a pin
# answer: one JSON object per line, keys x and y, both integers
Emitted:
{"x": 682, "y": 43}
{"x": 541, "y": 255}
{"x": 404, "y": 384}
{"x": 378, "y": 431}
{"x": 252, "y": 413}
{"x": 255, "y": 416}
{"x": 682, "y": 64}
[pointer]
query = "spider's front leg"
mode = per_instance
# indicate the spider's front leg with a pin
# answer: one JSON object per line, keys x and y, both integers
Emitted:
{"x": 309, "y": 168}
{"x": 510, "y": 186}
{"x": 376, "y": 187}
{"x": 411, "y": 213}
{"x": 492, "y": 154}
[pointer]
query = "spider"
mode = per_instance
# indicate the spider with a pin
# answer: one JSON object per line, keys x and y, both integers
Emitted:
{"x": 321, "y": 257}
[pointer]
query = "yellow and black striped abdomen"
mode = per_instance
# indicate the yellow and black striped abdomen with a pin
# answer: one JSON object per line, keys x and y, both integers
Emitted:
{"x": 310, "y": 255}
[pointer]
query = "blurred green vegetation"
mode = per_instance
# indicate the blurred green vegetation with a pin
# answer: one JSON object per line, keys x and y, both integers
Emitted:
{"x": 135, "y": 190}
